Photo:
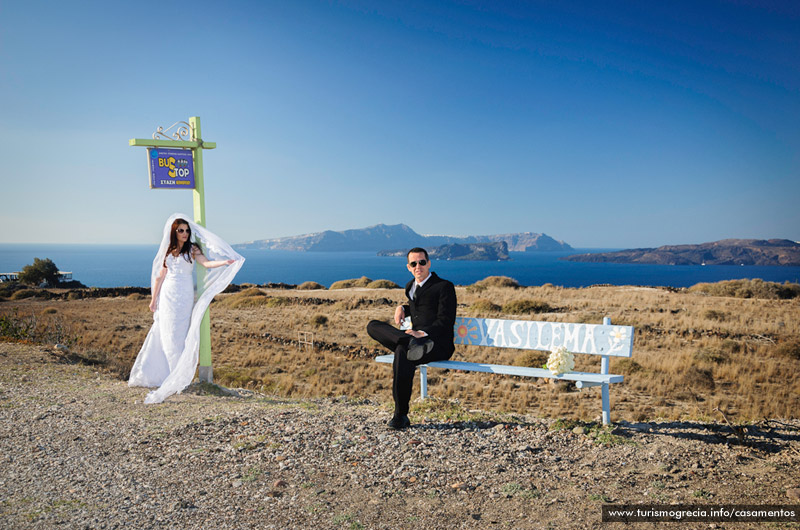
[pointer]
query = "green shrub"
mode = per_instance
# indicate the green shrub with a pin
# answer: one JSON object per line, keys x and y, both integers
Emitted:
{"x": 382, "y": 284}
{"x": 310, "y": 286}
{"x": 42, "y": 270}
{"x": 347, "y": 284}
{"x": 523, "y": 307}
{"x": 483, "y": 305}
{"x": 13, "y": 327}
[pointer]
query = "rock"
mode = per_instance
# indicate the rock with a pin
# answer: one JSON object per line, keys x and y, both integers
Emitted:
{"x": 793, "y": 494}
{"x": 579, "y": 430}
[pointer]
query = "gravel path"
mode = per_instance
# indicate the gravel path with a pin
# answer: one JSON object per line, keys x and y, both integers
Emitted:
{"x": 78, "y": 449}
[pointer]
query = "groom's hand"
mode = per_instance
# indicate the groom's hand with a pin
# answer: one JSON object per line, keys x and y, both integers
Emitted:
{"x": 399, "y": 315}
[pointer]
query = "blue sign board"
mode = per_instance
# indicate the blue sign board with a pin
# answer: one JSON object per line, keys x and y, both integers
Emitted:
{"x": 171, "y": 168}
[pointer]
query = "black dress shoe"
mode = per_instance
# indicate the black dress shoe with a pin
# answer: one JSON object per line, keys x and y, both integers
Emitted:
{"x": 399, "y": 422}
{"x": 418, "y": 347}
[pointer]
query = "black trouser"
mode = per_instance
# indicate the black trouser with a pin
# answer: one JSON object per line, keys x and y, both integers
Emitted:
{"x": 397, "y": 341}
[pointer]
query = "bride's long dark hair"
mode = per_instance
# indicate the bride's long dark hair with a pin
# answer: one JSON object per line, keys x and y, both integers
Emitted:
{"x": 186, "y": 248}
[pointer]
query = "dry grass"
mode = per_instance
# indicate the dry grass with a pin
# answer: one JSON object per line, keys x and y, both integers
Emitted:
{"x": 755, "y": 288}
{"x": 348, "y": 284}
{"x": 382, "y": 284}
{"x": 310, "y": 286}
{"x": 693, "y": 352}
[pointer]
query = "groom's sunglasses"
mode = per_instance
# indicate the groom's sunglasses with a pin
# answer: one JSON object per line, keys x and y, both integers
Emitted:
{"x": 421, "y": 262}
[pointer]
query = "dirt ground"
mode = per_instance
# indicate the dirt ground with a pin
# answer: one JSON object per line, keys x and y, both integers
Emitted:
{"x": 78, "y": 449}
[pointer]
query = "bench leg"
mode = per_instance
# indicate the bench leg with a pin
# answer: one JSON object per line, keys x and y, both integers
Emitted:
{"x": 606, "y": 404}
{"x": 423, "y": 382}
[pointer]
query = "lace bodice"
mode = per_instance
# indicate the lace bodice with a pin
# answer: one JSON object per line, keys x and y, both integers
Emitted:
{"x": 178, "y": 266}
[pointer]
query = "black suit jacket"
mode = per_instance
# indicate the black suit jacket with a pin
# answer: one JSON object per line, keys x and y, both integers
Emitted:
{"x": 433, "y": 310}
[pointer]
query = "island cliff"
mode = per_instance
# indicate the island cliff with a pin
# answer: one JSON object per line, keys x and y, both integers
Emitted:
{"x": 466, "y": 252}
{"x": 780, "y": 252}
{"x": 388, "y": 237}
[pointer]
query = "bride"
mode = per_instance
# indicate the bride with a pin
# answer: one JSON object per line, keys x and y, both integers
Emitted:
{"x": 168, "y": 358}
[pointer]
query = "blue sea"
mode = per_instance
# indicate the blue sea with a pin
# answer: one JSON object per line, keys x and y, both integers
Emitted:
{"x": 129, "y": 265}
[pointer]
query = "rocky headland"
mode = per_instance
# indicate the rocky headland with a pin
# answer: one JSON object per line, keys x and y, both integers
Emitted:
{"x": 467, "y": 252}
{"x": 387, "y": 237}
{"x": 778, "y": 252}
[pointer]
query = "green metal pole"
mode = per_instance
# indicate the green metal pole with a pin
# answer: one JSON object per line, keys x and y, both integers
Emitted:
{"x": 204, "y": 371}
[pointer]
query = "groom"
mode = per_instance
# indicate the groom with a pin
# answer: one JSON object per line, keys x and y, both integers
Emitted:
{"x": 432, "y": 308}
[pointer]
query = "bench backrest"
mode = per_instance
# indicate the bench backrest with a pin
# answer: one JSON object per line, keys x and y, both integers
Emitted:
{"x": 597, "y": 339}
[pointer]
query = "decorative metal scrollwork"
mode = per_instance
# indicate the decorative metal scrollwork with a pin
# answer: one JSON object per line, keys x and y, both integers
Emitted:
{"x": 184, "y": 132}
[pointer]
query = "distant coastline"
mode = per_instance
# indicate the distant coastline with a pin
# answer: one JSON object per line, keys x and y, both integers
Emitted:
{"x": 129, "y": 265}
{"x": 383, "y": 237}
{"x": 740, "y": 252}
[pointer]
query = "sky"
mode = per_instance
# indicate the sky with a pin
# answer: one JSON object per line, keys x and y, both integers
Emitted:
{"x": 614, "y": 124}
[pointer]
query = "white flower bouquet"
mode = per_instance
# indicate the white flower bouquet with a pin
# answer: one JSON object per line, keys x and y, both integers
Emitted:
{"x": 560, "y": 361}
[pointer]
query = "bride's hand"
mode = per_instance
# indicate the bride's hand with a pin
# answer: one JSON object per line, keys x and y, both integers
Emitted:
{"x": 153, "y": 305}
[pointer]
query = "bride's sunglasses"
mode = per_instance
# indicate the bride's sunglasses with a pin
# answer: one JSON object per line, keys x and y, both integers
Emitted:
{"x": 182, "y": 230}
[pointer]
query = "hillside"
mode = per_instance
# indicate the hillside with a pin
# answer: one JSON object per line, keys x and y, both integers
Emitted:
{"x": 389, "y": 237}
{"x": 777, "y": 252}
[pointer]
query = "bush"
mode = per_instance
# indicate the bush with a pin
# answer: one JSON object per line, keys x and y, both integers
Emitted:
{"x": 493, "y": 281}
{"x": 710, "y": 356}
{"x": 530, "y": 359}
{"x": 250, "y": 297}
{"x": 347, "y": 284}
{"x": 713, "y": 314}
{"x": 42, "y": 270}
{"x": 310, "y": 286}
{"x": 755, "y": 288}
{"x": 627, "y": 366}
{"x": 523, "y": 307}
{"x": 382, "y": 284}
{"x": 136, "y": 296}
{"x": 730, "y": 346}
{"x": 24, "y": 293}
{"x": 790, "y": 348}
{"x": 277, "y": 301}
{"x": 483, "y": 305}
{"x": 318, "y": 320}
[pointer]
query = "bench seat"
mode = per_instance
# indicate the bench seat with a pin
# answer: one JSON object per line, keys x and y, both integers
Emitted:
{"x": 582, "y": 379}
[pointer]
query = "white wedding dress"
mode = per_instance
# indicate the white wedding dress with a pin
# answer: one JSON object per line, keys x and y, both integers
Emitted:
{"x": 169, "y": 355}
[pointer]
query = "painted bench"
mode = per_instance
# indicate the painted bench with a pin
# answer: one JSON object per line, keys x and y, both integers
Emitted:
{"x": 605, "y": 340}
